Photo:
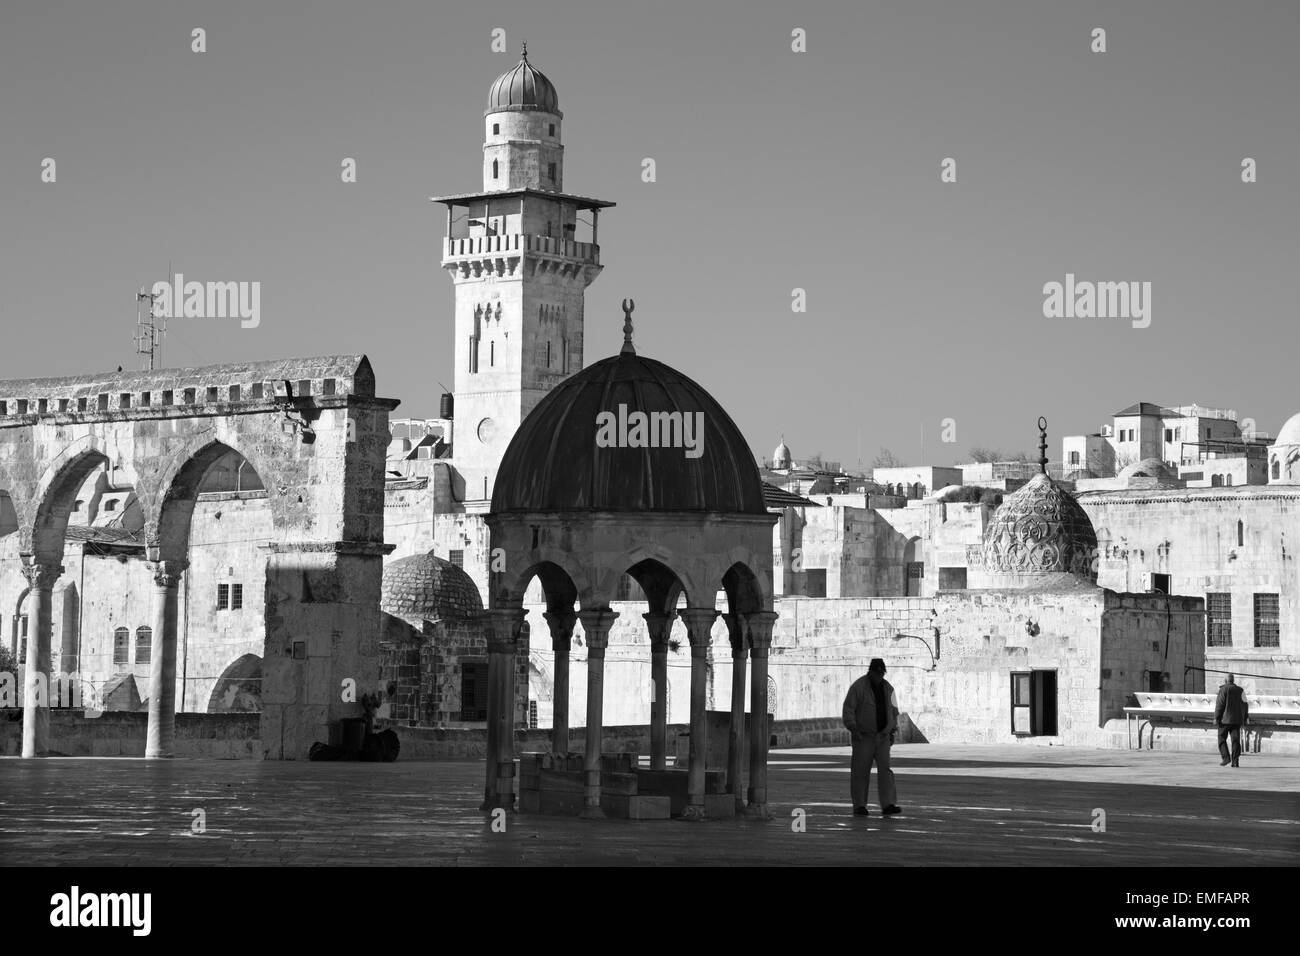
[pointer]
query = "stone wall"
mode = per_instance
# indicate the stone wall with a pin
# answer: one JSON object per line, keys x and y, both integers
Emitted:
{"x": 123, "y": 735}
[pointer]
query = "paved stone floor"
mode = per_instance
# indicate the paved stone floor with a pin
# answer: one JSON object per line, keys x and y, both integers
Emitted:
{"x": 962, "y": 805}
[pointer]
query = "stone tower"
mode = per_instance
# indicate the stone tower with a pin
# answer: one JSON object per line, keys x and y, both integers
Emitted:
{"x": 520, "y": 270}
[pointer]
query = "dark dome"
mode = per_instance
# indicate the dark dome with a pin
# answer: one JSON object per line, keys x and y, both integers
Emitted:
{"x": 523, "y": 88}
{"x": 554, "y": 464}
{"x": 1039, "y": 529}
{"x": 425, "y": 587}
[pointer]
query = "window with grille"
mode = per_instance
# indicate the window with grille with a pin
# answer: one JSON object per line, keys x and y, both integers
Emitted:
{"x": 815, "y": 582}
{"x": 457, "y": 557}
{"x": 1266, "y": 623}
{"x": 1218, "y": 619}
{"x": 532, "y": 715}
{"x": 121, "y": 646}
{"x": 143, "y": 644}
{"x": 223, "y": 597}
{"x": 473, "y": 691}
{"x": 236, "y": 597}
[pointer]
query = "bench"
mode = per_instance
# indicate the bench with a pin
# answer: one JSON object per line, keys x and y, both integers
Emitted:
{"x": 1264, "y": 709}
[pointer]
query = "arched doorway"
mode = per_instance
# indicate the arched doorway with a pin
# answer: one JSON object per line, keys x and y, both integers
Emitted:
{"x": 239, "y": 688}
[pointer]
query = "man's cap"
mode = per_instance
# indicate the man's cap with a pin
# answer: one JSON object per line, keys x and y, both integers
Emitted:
{"x": 877, "y": 664}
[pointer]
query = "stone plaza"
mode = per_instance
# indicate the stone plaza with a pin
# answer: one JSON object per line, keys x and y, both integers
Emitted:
{"x": 961, "y": 804}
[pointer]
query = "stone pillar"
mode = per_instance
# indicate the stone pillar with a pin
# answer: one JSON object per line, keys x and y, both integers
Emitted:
{"x": 660, "y": 626}
{"x": 759, "y": 626}
{"x": 561, "y": 625}
{"x": 37, "y": 682}
{"x": 161, "y": 731}
{"x": 502, "y": 643}
{"x": 736, "y": 733}
{"x": 596, "y": 624}
{"x": 699, "y": 623}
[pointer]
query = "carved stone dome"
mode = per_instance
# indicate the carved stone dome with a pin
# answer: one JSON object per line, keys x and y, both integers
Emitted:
{"x": 1040, "y": 529}
{"x": 425, "y": 587}
{"x": 781, "y": 458}
{"x": 523, "y": 88}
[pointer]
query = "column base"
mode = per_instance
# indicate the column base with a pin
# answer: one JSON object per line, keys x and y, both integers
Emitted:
{"x": 156, "y": 755}
{"x": 757, "y": 811}
{"x": 35, "y": 754}
{"x": 694, "y": 813}
{"x": 591, "y": 813}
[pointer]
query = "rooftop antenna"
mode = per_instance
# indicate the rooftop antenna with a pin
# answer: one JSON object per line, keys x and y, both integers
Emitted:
{"x": 149, "y": 328}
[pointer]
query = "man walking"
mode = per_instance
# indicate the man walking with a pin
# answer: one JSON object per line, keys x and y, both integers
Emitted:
{"x": 1230, "y": 713}
{"x": 871, "y": 716}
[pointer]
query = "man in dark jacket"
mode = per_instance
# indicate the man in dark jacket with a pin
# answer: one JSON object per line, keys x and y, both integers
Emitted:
{"x": 1230, "y": 713}
{"x": 871, "y": 716}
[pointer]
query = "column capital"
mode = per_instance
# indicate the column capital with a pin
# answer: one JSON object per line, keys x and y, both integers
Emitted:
{"x": 596, "y": 625}
{"x": 699, "y": 624}
{"x": 659, "y": 625}
{"x": 736, "y": 634}
{"x": 40, "y": 575}
{"x": 505, "y": 624}
{"x": 759, "y": 625}
{"x": 167, "y": 574}
{"x": 561, "y": 624}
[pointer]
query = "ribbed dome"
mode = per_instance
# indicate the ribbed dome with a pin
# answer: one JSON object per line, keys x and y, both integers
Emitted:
{"x": 1290, "y": 433}
{"x": 1038, "y": 529}
{"x": 553, "y": 462}
{"x": 781, "y": 457}
{"x": 523, "y": 88}
{"x": 425, "y": 587}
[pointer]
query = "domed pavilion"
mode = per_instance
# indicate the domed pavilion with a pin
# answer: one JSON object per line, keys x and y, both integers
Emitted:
{"x": 630, "y": 467}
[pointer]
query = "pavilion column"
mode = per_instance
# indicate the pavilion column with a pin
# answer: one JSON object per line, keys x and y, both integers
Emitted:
{"x": 596, "y": 625}
{"x": 699, "y": 624}
{"x": 161, "y": 732}
{"x": 561, "y": 625}
{"x": 736, "y": 732}
{"x": 660, "y": 626}
{"x": 503, "y": 642}
{"x": 759, "y": 626}
{"x": 37, "y": 682}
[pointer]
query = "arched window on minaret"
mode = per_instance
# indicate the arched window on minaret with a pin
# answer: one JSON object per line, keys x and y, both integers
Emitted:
{"x": 548, "y": 354}
{"x": 492, "y": 354}
{"x": 495, "y": 169}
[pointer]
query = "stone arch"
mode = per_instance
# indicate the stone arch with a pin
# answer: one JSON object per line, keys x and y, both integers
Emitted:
{"x": 660, "y": 583}
{"x": 744, "y": 590}
{"x": 55, "y": 495}
{"x": 562, "y": 582}
{"x": 178, "y": 491}
{"x": 239, "y": 688}
{"x": 17, "y": 636}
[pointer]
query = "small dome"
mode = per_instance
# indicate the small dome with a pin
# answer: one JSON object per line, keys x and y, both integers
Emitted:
{"x": 523, "y": 88}
{"x": 1290, "y": 433}
{"x": 425, "y": 587}
{"x": 781, "y": 457}
{"x": 1148, "y": 468}
{"x": 1039, "y": 529}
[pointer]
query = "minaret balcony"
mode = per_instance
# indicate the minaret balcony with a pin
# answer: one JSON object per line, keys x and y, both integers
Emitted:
{"x": 466, "y": 249}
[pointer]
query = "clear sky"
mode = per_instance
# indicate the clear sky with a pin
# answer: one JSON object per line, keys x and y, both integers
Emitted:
{"x": 776, "y": 170}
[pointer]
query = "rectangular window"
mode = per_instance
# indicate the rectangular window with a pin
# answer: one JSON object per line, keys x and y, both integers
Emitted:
{"x": 1266, "y": 622}
{"x": 304, "y": 387}
{"x": 1218, "y": 619}
{"x": 234, "y": 393}
{"x": 223, "y": 597}
{"x": 1159, "y": 584}
{"x": 328, "y": 386}
{"x": 256, "y": 391}
{"x": 952, "y": 579}
{"x": 815, "y": 582}
{"x": 532, "y": 715}
{"x": 473, "y": 691}
{"x": 189, "y": 396}
{"x": 1033, "y": 703}
{"x": 457, "y": 557}
{"x": 236, "y": 597}
{"x": 212, "y": 393}
{"x": 121, "y": 646}
{"x": 168, "y": 397}
{"x": 146, "y": 399}
{"x": 550, "y": 171}
{"x": 1169, "y": 434}
{"x": 42, "y": 406}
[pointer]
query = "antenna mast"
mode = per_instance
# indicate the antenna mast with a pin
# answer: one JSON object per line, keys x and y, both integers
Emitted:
{"x": 149, "y": 330}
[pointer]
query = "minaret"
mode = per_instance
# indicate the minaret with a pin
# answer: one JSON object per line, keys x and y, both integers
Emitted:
{"x": 520, "y": 273}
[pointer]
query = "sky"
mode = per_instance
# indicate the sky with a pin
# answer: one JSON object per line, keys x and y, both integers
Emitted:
{"x": 776, "y": 170}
